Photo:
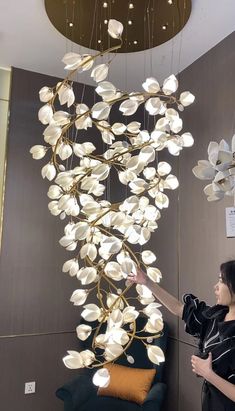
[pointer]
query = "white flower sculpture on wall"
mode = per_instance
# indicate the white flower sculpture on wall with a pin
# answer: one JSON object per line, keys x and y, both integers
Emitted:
{"x": 219, "y": 168}
{"x": 101, "y": 232}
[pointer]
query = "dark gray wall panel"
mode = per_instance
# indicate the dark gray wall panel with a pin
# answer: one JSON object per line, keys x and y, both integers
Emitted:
{"x": 203, "y": 242}
{"x": 171, "y": 375}
{"x": 34, "y": 293}
{"x": 189, "y": 384}
{"x": 200, "y": 244}
{"x": 35, "y": 358}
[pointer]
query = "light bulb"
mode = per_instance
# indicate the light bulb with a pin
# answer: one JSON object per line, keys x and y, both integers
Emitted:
{"x": 101, "y": 378}
{"x": 130, "y": 359}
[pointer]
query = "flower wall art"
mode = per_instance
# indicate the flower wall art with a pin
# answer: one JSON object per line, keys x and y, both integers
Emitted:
{"x": 219, "y": 168}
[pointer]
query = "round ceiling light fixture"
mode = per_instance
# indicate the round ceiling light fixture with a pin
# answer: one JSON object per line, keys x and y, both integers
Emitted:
{"x": 148, "y": 18}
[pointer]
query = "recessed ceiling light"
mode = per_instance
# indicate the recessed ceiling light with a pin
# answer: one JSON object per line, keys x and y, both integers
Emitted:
{"x": 131, "y": 5}
{"x": 99, "y": 41}
{"x": 105, "y": 21}
{"x": 130, "y": 22}
{"x": 105, "y": 4}
{"x": 135, "y": 42}
{"x": 70, "y": 24}
{"x": 170, "y": 1}
{"x": 164, "y": 27}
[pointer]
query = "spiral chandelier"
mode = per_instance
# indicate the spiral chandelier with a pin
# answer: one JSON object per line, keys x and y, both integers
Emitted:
{"x": 100, "y": 234}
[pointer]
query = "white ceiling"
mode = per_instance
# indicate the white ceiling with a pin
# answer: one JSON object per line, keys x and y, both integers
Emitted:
{"x": 29, "y": 41}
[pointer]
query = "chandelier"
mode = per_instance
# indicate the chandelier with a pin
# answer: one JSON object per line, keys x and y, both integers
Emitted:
{"x": 100, "y": 234}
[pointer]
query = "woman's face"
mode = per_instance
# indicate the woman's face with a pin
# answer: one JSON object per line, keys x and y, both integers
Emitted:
{"x": 222, "y": 293}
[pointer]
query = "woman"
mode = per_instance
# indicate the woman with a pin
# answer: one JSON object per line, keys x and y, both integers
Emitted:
{"x": 215, "y": 328}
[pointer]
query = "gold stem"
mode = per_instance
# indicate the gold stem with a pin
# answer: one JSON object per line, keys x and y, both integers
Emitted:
{"x": 99, "y": 218}
{"x": 124, "y": 245}
{"x": 149, "y": 336}
{"x": 102, "y": 53}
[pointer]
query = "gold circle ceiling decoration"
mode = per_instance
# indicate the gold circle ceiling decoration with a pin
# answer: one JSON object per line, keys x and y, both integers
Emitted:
{"x": 147, "y": 23}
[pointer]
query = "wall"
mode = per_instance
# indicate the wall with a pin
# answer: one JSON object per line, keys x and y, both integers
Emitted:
{"x": 192, "y": 239}
{"x": 5, "y": 77}
{"x": 37, "y": 321}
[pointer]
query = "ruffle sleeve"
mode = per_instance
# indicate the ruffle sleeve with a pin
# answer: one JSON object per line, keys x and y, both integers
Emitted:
{"x": 231, "y": 374}
{"x": 192, "y": 314}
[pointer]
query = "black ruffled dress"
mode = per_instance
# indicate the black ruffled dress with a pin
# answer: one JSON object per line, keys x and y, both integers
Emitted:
{"x": 218, "y": 337}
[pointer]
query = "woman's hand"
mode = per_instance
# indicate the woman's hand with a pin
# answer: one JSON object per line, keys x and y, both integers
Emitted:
{"x": 202, "y": 367}
{"x": 140, "y": 277}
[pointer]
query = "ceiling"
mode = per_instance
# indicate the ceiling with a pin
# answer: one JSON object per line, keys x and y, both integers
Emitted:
{"x": 29, "y": 41}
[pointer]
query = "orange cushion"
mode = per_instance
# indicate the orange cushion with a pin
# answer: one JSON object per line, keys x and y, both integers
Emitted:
{"x": 131, "y": 384}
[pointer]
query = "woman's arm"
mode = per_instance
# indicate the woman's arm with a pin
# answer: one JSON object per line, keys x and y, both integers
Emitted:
{"x": 168, "y": 300}
{"x": 226, "y": 387}
{"x": 204, "y": 369}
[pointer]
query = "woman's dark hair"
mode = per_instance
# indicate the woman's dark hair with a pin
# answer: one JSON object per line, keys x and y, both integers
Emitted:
{"x": 228, "y": 275}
